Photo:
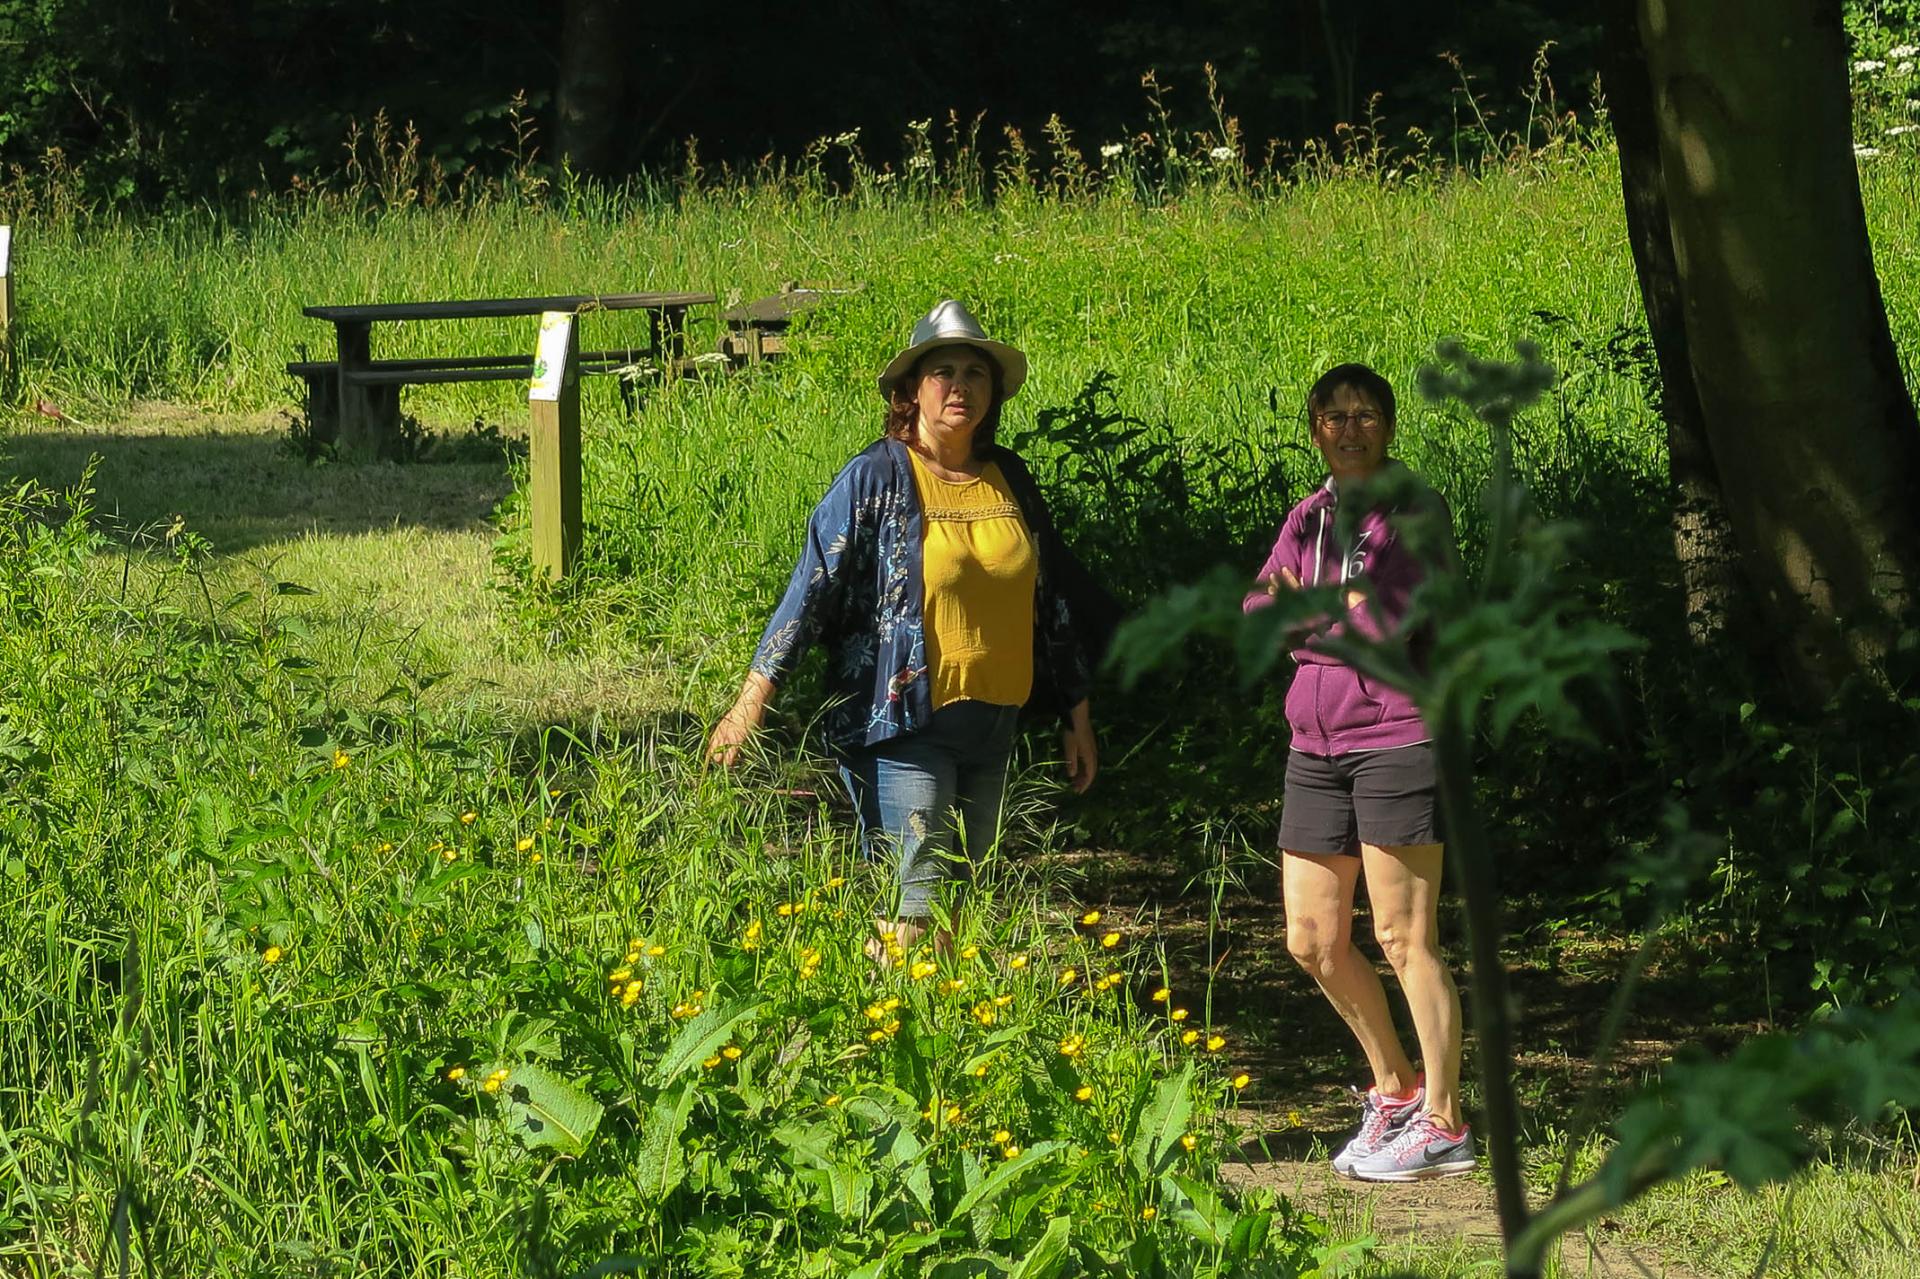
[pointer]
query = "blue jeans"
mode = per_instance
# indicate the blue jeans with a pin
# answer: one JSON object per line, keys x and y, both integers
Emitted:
{"x": 914, "y": 793}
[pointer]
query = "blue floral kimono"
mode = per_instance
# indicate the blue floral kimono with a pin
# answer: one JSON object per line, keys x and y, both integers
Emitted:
{"x": 857, "y": 590}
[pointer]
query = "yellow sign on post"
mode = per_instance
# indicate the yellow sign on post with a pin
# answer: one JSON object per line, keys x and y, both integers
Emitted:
{"x": 553, "y": 446}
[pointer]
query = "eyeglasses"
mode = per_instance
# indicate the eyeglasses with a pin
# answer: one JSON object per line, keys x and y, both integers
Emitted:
{"x": 1335, "y": 421}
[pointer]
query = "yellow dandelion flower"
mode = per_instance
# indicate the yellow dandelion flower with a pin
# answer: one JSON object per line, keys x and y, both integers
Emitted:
{"x": 833, "y": 1099}
{"x": 836, "y": 881}
{"x": 753, "y": 929}
{"x": 1241, "y": 1080}
{"x": 876, "y": 1036}
{"x": 456, "y": 1073}
{"x": 449, "y": 855}
{"x": 953, "y": 1114}
{"x": 492, "y": 1084}
{"x": 553, "y": 792}
{"x": 1067, "y": 975}
{"x": 984, "y": 1014}
{"x": 1188, "y": 1036}
{"x": 536, "y": 858}
{"x": 1189, "y": 1141}
{"x": 1216, "y": 1042}
{"x": 1113, "y": 1136}
{"x": 655, "y": 951}
{"x": 1178, "y": 1014}
{"x": 785, "y": 909}
{"x": 1161, "y": 995}
{"x": 875, "y": 1011}
{"x": 468, "y": 818}
{"x": 1083, "y": 1093}
{"x": 923, "y": 969}
{"x": 1110, "y": 940}
{"x": 1295, "y": 1119}
{"x": 980, "y": 1071}
{"x": 953, "y": 985}
{"x": 1091, "y": 918}
{"x": 633, "y": 957}
{"x": 1017, "y": 962}
{"x": 341, "y": 759}
{"x": 970, "y": 952}
{"x": 1002, "y": 1137}
{"x": 635, "y": 986}
{"x": 628, "y": 998}
{"x": 731, "y": 1052}
{"x": 1073, "y": 1045}
{"x": 710, "y": 1062}
{"x": 1010, "y": 1152}
{"x": 523, "y": 844}
{"x": 891, "y": 1003}
{"x": 892, "y": 1026}
{"x": 386, "y": 848}
{"x": 620, "y": 974}
{"x": 1001, "y": 1001}
{"x": 1149, "y": 1212}
{"x": 271, "y": 955}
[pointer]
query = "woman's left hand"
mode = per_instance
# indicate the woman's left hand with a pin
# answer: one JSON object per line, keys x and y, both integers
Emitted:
{"x": 1082, "y": 754}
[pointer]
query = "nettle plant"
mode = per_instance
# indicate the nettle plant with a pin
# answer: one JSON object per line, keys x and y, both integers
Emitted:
{"x": 1506, "y": 643}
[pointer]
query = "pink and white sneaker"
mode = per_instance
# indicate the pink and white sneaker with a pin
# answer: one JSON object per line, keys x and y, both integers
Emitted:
{"x": 1381, "y": 1119}
{"x": 1422, "y": 1149}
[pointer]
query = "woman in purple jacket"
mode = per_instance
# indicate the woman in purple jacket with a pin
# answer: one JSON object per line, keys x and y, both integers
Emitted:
{"x": 1360, "y": 801}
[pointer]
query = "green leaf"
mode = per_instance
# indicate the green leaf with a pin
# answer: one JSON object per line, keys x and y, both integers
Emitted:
{"x": 1156, "y": 1141}
{"x": 1198, "y": 1210}
{"x": 700, "y": 1038}
{"x": 1002, "y": 1178}
{"x": 545, "y": 1111}
{"x": 662, "y": 1161}
{"x": 1045, "y": 1258}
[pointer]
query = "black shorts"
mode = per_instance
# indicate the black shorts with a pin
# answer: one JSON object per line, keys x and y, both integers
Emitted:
{"x": 1336, "y": 803}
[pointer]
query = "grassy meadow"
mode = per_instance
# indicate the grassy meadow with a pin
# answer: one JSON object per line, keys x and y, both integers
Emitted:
{"x": 366, "y": 908}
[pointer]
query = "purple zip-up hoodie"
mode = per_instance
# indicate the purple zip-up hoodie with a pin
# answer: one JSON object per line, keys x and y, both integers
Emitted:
{"x": 1332, "y": 708}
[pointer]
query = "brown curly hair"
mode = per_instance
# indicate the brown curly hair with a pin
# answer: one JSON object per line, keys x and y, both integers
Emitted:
{"x": 903, "y": 408}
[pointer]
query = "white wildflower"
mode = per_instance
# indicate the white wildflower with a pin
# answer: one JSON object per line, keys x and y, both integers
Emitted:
{"x": 883, "y": 177}
{"x": 1220, "y": 155}
{"x": 1867, "y": 66}
{"x": 1865, "y": 153}
{"x": 847, "y": 139}
{"x": 1112, "y": 150}
{"x": 919, "y": 161}
{"x": 1905, "y": 68}
{"x": 1899, "y": 130}
{"x": 999, "y": 258}
{"x": 1904, "y": 51}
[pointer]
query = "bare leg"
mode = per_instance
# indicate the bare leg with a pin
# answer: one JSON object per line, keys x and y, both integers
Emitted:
{"x": 1319, "y": 900}
{"x": 1403, "y": 886}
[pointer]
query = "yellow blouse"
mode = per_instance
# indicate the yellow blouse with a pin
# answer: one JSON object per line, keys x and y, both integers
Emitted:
{"x": 979, "y": 564}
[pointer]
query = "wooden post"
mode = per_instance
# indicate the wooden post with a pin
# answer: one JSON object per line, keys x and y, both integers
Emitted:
{"x": 6, "y": 289}
{"x": 553, "y": 446}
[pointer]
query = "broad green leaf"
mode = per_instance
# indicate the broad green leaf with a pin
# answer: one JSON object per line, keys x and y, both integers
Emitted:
{"x": 545, "y": 1111}
{"x": 965, "y": 1265}
{"x": 1198, "y": 1210}
{"x": 1156, "y": 1143}
{"x": 1002, "y": 1178}
{"x": 662, "y": 1161}
{"x": 1045, "y": 1258}
{"x": 700, "y": 1038}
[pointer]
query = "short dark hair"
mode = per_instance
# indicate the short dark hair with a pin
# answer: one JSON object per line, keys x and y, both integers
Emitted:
{"x": 903, "y": 409}
{"x": 1357, "y": 377}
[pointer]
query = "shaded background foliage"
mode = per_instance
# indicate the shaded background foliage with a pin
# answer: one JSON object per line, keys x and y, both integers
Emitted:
{"x": 208, "y": 98}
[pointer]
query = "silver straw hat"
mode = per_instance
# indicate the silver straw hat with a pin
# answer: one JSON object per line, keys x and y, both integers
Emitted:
{"x": 949, "y": 324}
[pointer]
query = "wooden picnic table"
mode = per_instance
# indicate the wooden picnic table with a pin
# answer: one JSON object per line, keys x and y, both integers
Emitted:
{"x": 354, "y": 399}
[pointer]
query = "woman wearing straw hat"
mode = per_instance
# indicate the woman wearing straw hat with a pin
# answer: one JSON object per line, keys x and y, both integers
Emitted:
{"x": 933, "y": 576}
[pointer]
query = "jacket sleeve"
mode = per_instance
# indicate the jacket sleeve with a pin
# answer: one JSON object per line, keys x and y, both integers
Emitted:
{"x": 1285, "y": 554}
{"x": 811, "y": 605}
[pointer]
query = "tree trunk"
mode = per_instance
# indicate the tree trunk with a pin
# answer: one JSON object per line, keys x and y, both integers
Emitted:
{"x": 593, "y": 81}
{"x": 1815, "y": 437}
{"x": 1703, "y": 542}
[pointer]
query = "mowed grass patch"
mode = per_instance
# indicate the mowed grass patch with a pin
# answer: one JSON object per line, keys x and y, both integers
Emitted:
{"x": 399, "y": 560}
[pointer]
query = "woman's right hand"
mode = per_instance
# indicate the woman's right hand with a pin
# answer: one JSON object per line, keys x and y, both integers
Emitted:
{"x": 1286, "y": 578}
{"x": 741, "y": 721}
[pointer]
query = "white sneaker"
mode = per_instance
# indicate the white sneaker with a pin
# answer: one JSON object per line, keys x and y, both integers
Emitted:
{"x": 1381, "y": 1119}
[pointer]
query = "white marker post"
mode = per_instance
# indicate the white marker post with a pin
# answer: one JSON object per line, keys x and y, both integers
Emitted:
{"x": 6, "y": 284}
{"x": 553, "y": 446}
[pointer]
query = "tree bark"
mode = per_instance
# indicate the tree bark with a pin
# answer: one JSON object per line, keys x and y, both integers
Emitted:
{"x": 593, "y": 82}
{"x": 1703, "y": 543}
{"x": 1810, "y": 424}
